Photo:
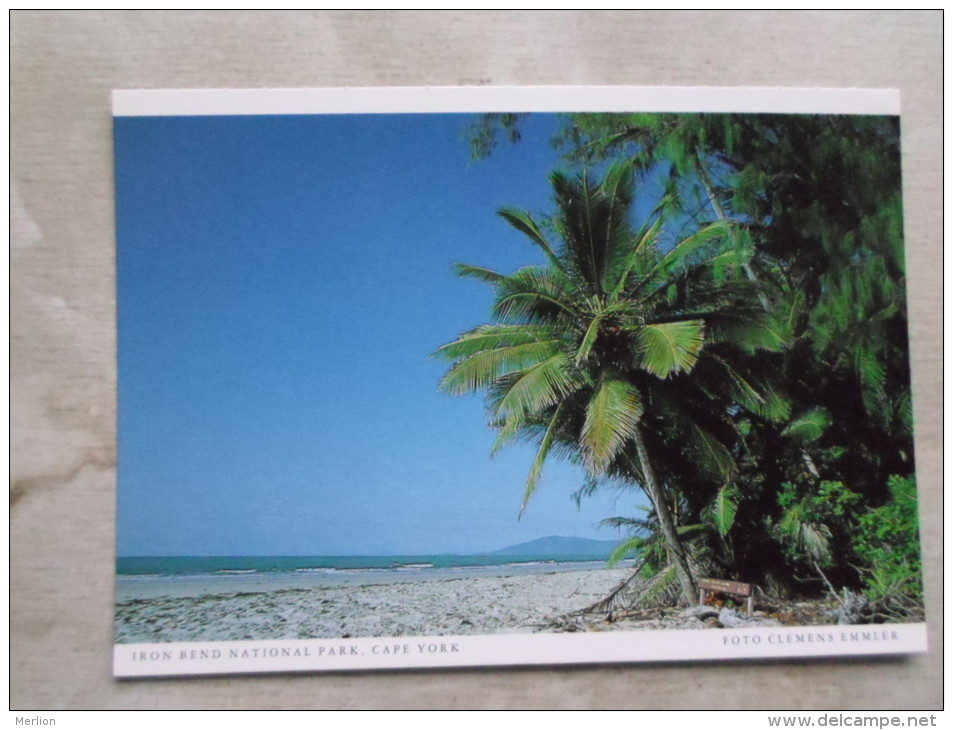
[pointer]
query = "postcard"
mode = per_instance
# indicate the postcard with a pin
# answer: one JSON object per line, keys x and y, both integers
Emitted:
{"x": 445, "y": 377}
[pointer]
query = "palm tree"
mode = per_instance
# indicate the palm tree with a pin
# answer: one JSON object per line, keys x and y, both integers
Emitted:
{"x": 615, "y": 348}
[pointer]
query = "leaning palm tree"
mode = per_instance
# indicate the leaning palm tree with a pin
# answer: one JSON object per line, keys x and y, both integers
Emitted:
{"x": 593, "y": 354}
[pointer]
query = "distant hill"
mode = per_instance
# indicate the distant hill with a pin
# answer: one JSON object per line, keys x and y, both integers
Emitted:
{"x": 561, "y": 546}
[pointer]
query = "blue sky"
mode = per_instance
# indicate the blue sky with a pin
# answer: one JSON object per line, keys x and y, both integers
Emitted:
{"x": 283, "y": 281}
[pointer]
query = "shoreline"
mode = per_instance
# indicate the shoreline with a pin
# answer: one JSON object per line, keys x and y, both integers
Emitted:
{"x": 131, "y": 587}
{"x": 483, "y": 604}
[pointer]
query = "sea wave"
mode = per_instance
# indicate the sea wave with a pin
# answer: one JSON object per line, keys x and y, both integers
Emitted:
{"x": 530, "y": 563}
{"x": 337, "y": 571}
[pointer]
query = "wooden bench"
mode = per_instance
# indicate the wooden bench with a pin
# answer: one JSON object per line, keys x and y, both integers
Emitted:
{"x": 732, "y": 587}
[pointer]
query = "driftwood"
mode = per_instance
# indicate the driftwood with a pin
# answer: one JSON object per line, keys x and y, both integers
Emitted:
{"x": 647, "y": 602}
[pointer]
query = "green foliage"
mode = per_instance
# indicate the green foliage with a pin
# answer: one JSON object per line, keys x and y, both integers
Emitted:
{"x": 612, "y": 417}
{"x": 752, "y": 331}
{"x": 816, "y": 525}
{"x": 809, "y": 426}
{"x": 606, "y": 297}
{"x": 646, "y": 543}
{"x": 831, "y": 527}
{"x": 887, "y": 544}
{"x": 595, "y": 354}
{"x": 484, "y": 132}
{"x": 625, "y": 549}
{"x": 670, "y": 348}
{"x": 724, "y": 508}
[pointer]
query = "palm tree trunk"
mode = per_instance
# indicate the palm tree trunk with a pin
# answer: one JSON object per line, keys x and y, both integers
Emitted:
{"x": 666, "y": 522}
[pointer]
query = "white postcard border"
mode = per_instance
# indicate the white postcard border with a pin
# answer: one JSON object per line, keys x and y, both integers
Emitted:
{"x": 470, "y": 99}
{"x": 611, "y": 647}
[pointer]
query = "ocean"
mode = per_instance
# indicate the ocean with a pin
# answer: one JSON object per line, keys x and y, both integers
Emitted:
{"x": 150, "y": 577}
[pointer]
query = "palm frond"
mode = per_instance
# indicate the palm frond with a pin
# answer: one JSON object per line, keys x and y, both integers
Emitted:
{"x": 612, "y": 415}
{"x": 724, "y": 508}
{"x": 593, "y": 220}
{"x": 625, "y": 549}
{"x": 544, "y": 448}
{"x": 813, "y": 538}
{"x": 477, "y": 272}
{"x": 533, "y": 389}
{"x": 535, "y": 294}
{"x": 478, "y": 371}
{"x": 680, "y": 253}
{"x": 588, "y": 340}
{"x": 522, "y": 220}
{"x": 635, "y": 525}
{"x": 644, "y": 244}
{"x": 756, "y": 393}
{"x": 491, "y": 337}
{"x": 873, "y": 379}
{"x": 809, "y": 426}
{"x": 750, "y": 329}
{"x": 670, "y": 348}
{"x": 710, "y": 453}
{"x": 508, "y": 431}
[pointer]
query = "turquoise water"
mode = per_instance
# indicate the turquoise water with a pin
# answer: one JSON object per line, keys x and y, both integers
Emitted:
{"x": 202, "y": 566}
{"x": 152, "y": 577}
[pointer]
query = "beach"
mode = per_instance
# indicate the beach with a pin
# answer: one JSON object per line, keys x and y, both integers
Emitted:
{"x": 254, "y": 608}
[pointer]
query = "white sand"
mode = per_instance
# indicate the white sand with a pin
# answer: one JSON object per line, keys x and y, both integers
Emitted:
{"x": 479, "y": 605}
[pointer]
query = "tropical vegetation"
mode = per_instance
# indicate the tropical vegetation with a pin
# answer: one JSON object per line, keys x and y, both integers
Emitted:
{"x": 740, "y": 355}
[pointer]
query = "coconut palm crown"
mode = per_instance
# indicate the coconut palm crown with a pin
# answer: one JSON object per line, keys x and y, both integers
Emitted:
{"x": 616, "y": 347}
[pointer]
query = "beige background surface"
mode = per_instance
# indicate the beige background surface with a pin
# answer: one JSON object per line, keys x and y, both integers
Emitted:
{"x": 63, "y": 65}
